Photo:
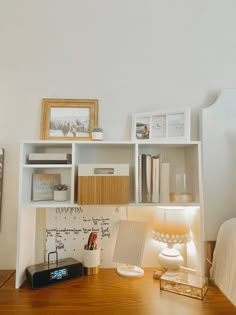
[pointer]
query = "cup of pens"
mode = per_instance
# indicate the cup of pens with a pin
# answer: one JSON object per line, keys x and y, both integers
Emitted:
{"x": 91, "y": 256}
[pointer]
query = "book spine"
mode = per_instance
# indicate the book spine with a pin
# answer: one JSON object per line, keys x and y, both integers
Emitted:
{"x": 49, "y": 162}
{"x": 144, "y": 180}
{"x": 139, "y": 178}
{"x": 156, "y": 179}
{"x": 165, "y": 182}
{"x": 148, "y": 178}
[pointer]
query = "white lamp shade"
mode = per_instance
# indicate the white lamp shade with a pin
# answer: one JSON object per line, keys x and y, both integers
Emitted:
{"x": 171, "y": 226}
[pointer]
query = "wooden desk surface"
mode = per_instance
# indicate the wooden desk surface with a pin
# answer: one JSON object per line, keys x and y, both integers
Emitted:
{"x": 108, "y": 293}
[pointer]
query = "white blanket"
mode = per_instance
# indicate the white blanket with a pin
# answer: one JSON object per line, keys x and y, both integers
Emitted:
{"x": 223, "y": 271}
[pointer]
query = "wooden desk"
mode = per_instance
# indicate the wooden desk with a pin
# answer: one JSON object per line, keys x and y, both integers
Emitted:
{"x": 108, "y": 293}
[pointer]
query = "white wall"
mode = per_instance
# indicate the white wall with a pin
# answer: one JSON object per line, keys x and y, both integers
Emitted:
{"x": 133, "y": 55}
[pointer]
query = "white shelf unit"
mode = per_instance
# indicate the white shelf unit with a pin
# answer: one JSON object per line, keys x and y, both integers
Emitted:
{"x": 182, "y": 156}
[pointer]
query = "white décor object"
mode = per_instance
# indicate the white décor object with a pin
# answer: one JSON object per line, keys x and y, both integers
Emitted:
{"x": 60, "y": 195}
{"x": 97, "y": 136}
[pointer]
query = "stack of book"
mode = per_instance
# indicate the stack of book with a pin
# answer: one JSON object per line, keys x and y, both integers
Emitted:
{"x": 49, "y": 158}
{"x": 153, "y": 181}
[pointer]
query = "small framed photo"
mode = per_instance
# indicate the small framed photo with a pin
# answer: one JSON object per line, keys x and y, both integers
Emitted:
{"x": 161, "y": 126}
{"x": 43, "y": 186}
{"x": 68, "y": 119}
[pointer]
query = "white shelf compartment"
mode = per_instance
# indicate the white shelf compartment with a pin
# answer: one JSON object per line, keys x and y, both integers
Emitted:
{"x": 41, "y": 146}
{"x": 97, "y": 152}
{"x": 184, "y": 158}
{"x": 27, "y": 170}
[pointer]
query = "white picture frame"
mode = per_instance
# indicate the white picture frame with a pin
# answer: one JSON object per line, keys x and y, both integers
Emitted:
{"x": 170, "y": 126}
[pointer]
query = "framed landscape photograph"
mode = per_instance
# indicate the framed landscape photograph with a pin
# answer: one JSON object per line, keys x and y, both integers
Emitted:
{"x": 68, "y": 119}
{"x": 161, "y": 126}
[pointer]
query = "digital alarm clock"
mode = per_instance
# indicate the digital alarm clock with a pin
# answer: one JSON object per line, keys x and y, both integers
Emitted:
{"x": 45, "y": 274}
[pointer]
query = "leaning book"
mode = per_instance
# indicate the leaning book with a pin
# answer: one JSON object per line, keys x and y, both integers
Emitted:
{"x": 43, "y": 186}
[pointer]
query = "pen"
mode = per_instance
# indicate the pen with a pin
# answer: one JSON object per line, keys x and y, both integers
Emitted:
{"x": 91, "y": 242}
{"x": 93, "y": 245}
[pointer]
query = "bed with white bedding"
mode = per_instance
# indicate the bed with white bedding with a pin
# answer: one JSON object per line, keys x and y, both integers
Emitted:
{"x": 223, "y": 271}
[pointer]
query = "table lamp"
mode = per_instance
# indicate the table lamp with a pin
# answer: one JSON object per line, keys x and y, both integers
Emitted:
{"x": 129, "y": 247}
{"x": 171, "y": 227}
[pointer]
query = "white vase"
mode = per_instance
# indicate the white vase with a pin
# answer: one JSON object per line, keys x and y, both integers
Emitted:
{"x": 60, "y": 195}
{"x": 98, "y": 136}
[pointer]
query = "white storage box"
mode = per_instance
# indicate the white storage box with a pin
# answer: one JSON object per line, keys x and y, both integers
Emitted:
{"x": 103, "y": 184}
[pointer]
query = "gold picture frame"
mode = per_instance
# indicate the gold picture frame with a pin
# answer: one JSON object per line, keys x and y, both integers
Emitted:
{"x": 68, "y": 119}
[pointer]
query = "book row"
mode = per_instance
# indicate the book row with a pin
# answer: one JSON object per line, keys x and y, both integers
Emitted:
{"x": 153, "y": 179}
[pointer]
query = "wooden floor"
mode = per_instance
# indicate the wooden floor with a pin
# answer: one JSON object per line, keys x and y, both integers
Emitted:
{"x": 5, "y": 275}
{"x": 108, "y": 293}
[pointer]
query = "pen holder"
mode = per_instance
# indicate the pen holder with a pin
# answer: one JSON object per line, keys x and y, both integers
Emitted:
{"x": 91, "y": 261}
